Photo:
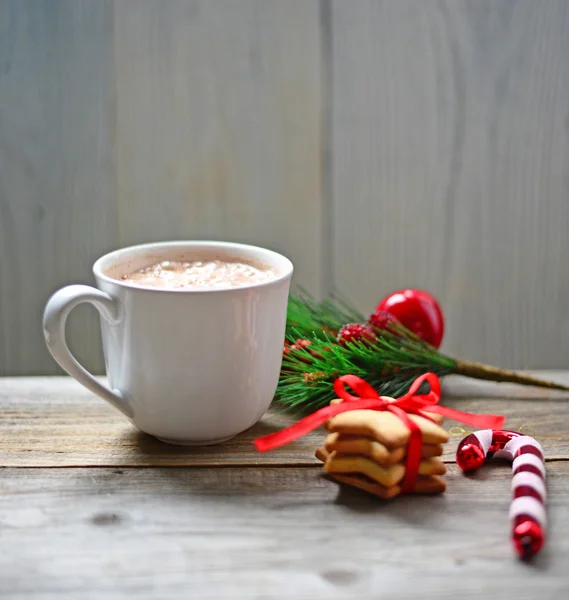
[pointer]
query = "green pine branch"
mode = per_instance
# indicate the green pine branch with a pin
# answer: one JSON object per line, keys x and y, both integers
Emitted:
{"x": 390, "y": 363}
{"x": 307, "y": 317}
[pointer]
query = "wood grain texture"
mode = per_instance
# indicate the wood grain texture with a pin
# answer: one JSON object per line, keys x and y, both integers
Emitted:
{"x": 54, "y": 422}
{"x": 133, "y": 121}
{"x": 218, "y": 124}
{"x": 57, "y": 171}
{"x": 450, "y": 167}
{"x": 445, "y": 123}
{"x": 267, "y": 533}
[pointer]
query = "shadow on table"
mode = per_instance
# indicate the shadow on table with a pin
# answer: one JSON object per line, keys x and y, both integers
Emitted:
{"x": 150, "y": 445}
{"x": 140, "y": 449}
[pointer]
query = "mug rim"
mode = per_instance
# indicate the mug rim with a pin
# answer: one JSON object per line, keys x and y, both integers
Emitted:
{"x": 275, "y": 259}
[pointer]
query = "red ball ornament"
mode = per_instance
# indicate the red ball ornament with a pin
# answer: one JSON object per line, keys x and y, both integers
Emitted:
{"x": 416, "y": 310}
{"x": 355, "y": 332}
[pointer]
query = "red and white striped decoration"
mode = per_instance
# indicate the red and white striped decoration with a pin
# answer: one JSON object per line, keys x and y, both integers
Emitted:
{"x": 528, "y": 513}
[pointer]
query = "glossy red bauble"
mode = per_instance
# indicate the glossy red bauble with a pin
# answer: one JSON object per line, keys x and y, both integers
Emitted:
{"x": 418, "y": 311}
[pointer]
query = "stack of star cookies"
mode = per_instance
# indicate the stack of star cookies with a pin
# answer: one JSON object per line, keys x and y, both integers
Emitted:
{"x": 368, "y": 449}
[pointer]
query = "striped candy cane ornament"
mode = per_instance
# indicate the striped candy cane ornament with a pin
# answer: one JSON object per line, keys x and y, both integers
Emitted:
{"x": 528, "y": 514}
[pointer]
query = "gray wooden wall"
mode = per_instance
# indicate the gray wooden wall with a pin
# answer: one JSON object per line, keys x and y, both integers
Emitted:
{"x": 379, "y": 144}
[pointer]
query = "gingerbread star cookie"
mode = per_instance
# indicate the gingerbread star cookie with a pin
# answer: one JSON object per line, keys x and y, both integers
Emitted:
{"x": 354, "y": 444}
{"x": 387, "y": 476}
{"x": 385, "y": 427}
{"x": 425, "y": 484}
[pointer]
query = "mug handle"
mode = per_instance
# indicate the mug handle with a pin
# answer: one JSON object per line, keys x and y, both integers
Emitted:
{"x": 55, "y": 316}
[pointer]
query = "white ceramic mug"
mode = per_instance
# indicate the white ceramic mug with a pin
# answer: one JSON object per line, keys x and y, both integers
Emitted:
{"x": 190, "y": 367}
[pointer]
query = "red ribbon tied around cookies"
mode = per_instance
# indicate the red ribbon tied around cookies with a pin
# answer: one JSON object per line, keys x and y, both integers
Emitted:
{"x": 368, "y": 399}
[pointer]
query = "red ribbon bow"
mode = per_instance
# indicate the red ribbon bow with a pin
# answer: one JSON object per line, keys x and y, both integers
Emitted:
{"x": 368, "y": 399}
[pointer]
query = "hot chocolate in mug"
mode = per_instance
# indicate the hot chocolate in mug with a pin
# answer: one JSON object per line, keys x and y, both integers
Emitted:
{"x": 188, "y": 366}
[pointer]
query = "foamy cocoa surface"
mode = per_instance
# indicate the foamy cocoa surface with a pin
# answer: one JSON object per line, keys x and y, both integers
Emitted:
{"x": 199, "y": 275}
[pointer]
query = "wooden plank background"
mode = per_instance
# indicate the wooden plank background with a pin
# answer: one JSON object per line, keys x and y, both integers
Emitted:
{"x": 450, "y": 167}
{"x": 379, "y": 144}
{"x": 57, "y": 168}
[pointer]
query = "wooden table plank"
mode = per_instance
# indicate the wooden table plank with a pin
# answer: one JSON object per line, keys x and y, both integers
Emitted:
{"x": 213, "y": 533}
{"x": 541, "y": 413}
{"x": 54, "y": 422}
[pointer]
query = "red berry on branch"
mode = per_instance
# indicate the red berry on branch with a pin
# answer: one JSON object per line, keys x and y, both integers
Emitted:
{"x": 299, "y": 344}
{"x": 302, "y": 343}
{"x": 355, "y": 332}
{"x": 382, "y": 320}
{"x": 418, "y": 311}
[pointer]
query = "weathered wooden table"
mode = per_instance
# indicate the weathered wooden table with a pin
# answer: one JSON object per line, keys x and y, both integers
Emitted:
{"x": 89, "y": 508}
